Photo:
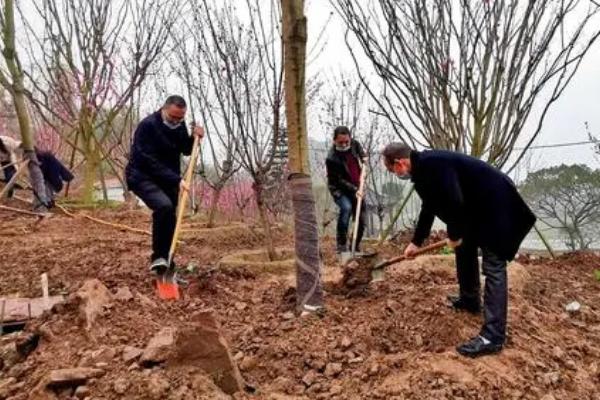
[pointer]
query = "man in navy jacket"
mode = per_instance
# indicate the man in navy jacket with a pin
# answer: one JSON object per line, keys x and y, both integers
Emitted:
{"x": 482, "y": 210}
{"x": 154, "y": 171}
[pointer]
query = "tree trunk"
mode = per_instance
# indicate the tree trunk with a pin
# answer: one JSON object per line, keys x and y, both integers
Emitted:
{"x": 264, "y": 221}
{"x": 214, "y": 202}
{"x": 306, "y": 232}
{"x": 90, "y": 172}
{"x": 17, "y": 90}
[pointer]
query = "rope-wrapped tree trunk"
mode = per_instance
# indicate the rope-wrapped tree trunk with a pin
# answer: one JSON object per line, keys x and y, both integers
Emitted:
{"x": 308, "y": 263}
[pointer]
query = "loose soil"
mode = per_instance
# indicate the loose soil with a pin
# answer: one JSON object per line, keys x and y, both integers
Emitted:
{"x": 396, "y": 340}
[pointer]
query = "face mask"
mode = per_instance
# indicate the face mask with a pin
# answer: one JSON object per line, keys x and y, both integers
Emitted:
{"x": 171, "y": 125}
{"x": 342, "y": 148}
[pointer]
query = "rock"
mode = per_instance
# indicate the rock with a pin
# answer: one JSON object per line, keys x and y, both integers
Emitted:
{"x": 551, "y": 378}
{"x": 248, "y": 363}
{"x": 72, "y": 376}
{"x": 120, "y": 386}
{"x": 82, "y": 392}
{"x": 159, "y": 348}
{"x": 94, "y": 298}
{"x": 310, "y": 378}
{"x": 548, "y": 397}
{"x": 131, "y": 353}
{"x": 200, "y": 344}
{"x": 288, "y": 315}
{"x": 573, "y": 307}
{"x": 145, "y": 301}
{"x": 205, "y": 388}
{"x": 9, "y": 356}
{"x": 335, "y": 389}
{"x": 281, "y": 384}
{"x": 333, "y": 369}
{"x": 240, "y": 306}
{"x": 558, "y": 353}
{"x": 418, "y": 341}
{"x": 123, "y": 294}
{"x": 6, "y": 387}
{"x": 103, "y": 355}
{"x": 346, "y": 343}
{"x": 157, "y": 386}
{"x": 356, "y": 360}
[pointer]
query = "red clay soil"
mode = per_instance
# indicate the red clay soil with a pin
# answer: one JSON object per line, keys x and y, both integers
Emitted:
{"x": 396, "y": 341}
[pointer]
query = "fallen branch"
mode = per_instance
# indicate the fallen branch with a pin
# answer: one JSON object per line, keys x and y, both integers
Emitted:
{"x": 18, "y": 210}
{"x": 103, "y": 222}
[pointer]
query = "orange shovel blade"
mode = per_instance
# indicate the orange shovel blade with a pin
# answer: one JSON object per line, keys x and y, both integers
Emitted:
{"x": 167, "y": 289}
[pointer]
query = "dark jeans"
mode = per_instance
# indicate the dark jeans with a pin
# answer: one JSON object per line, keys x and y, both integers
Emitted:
{"x": 495, "y": 296}
{"x": 163, "y": 203}
{"x": 347, "y": 207}
{"x": 9, "y": 172}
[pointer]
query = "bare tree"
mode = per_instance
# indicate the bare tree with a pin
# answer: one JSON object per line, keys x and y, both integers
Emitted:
{"x": 12, "y": 81}
{"x": 246, "y": 72}
{"x": 567, "y": 198}
{"x": 467, "y": 75}
{"x": 88, "y": 59}
{"x": 199, "y": 65}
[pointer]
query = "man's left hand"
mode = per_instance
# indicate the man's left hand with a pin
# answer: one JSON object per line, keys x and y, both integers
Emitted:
{"x": 198, "y": 131}
{"x": 360, "y": 194}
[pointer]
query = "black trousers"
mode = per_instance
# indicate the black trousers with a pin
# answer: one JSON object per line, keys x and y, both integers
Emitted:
{"x": 9, "y": 172}
{"x": 163, "y": 203}
{"x": 495, "y": 296}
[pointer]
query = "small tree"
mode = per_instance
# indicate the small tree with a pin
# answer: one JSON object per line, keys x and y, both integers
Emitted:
{"x": 466, "y": 75}
{"x": 88, "y": 60}
{"x": 13, "y": 83}
{"x": 567, "y": 197}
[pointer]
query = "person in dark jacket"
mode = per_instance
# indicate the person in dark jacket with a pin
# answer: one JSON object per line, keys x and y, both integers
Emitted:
{"x": 344, "y": 166}
{"x": 55, "y": 173}
{"x": 154, "y": 171}
{"x": 482, "y": 210}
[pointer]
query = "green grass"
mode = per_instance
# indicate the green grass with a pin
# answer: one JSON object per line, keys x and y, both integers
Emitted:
{"x": 597, "y": 274}
{"x": 95, "y": 205}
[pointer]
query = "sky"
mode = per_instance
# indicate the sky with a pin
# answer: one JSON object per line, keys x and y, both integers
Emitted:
{"x": 579, "y": 103}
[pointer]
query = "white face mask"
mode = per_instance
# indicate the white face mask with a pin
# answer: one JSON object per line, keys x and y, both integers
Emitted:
{"x": 342, "y": 148}
{"x": 171, "y": 125}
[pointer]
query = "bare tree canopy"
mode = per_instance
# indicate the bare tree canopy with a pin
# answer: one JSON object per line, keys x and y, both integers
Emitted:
{"x": 468, "y": 75}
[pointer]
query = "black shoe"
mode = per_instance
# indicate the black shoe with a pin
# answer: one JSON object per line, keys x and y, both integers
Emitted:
{"x": 341, "y": 248}
{"x": 476, "y": 348}
{"x": 159, "y": 266}
{"x": 459, "y": 303}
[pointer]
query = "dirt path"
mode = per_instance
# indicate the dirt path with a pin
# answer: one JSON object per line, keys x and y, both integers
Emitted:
{"x": 396, "y": 341}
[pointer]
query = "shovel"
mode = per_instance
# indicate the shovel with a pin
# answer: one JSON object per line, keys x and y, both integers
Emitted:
{"x": 348, "y": 256}
{"x": 166, "y": 284}
{"x": 377, "y": 270}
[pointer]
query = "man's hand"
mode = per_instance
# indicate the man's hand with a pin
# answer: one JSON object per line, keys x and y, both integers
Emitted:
{"x": 183, "y": 186}
{"x": 198, "y": 131}
{"x": 410, "y": 250}
{"x": 360, "y": 194}
{"x": 453, "y": 244}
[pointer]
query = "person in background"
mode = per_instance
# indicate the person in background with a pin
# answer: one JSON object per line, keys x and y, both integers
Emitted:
{"x": 154, "y": 171}
{"x": 344, "y": 167}
{"x": 55, "y": 174}
{"x": 9, "y": 154}
{"x": 482, "y": 210}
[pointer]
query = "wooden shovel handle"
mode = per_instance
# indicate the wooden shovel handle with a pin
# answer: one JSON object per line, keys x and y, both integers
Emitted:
{"x": 421, "y": 251}
{"x": 184, "y": 196}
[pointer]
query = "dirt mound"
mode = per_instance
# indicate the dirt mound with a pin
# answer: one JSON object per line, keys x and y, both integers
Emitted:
{"x": 396, "y": 342}
{"x": 257, "y": 261}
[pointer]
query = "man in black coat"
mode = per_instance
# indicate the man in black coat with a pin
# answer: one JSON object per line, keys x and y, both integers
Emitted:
{"x": 55, "y": 173}
{"x": 344, "y": 166}
{"x": 482, "y": 210}
{"x": 154, "y": 171}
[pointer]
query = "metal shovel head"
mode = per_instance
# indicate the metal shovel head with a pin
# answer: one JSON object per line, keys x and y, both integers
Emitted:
{"x": 166, "y": 286}
{"x": 346, "y": 256}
